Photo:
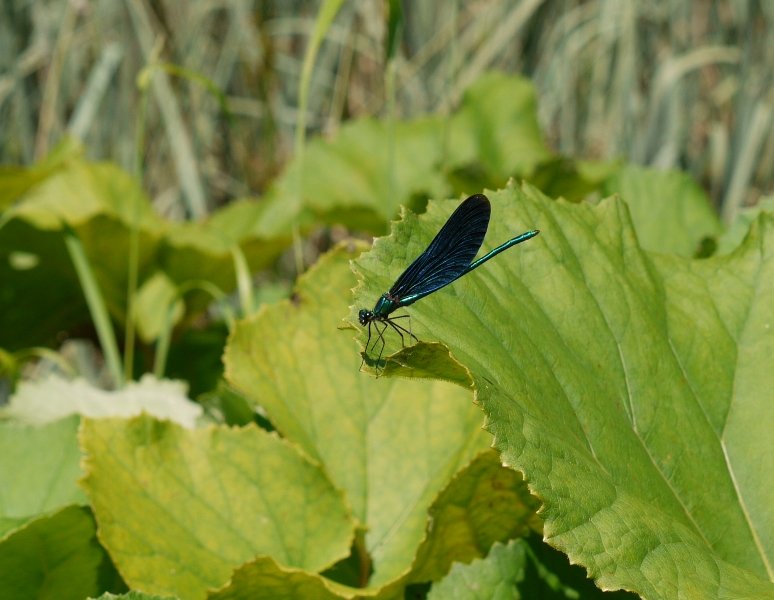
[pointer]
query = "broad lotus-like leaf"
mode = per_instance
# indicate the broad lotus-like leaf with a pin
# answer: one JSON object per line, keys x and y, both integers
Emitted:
{"x": 632, "y": 389}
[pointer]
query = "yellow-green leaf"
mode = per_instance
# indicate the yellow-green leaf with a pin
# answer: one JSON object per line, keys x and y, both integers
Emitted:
{"x": 392, "y": 445}
{"x": 179, "y": 510}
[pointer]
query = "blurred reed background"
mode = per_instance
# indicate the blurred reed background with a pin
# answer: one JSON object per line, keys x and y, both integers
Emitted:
{"x": 669, "y": 83}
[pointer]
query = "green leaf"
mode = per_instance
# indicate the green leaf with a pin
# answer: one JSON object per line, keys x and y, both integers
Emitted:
{"x": 178, "y": 510}
{"x": 195, "y": 251}
{"x": 670, "y": 212}
{"x": 157, "y": 306}
{"x": 551, "y": 575}
{"x": 41, "y": 295}
{"x": 496, "y": 128}
{"x": 15, "y": 181}
{"x": 733, "y": 236}
{"x": 355, "y": 180}
{"x": 571, "y": 179}
{"x": 393, "y": 446}
{"x": 394, "y": 29}
{"x": 99, "y": 202}
{"x": 55, "y": 558}
{"x": 39, "y": 467}
{"x": 133, "y": 596}
{"x": 624, "y": 385}
{"x": 53, "y": 398}
{"x": 264, "y": 579}
{"x": 360, "y": 180}
{"x": 196, "y": 357}
{"x": 485, "y": 503}
{"x": 496, "y": 577}
{"x": 520, "y": 569}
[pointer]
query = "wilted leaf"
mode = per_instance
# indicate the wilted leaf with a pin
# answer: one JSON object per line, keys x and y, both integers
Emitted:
{"x": 52, "y": 398}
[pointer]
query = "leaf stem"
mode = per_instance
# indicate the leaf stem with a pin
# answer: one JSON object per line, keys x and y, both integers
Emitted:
{"x": 96, "y": 304}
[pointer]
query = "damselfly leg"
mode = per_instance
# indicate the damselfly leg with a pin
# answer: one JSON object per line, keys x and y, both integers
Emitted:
{"x": 387, "y": 321}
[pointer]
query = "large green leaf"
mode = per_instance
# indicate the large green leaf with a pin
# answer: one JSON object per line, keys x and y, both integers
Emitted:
{"x": 393, "y": 446}
{"x": 496, "y": 128}
{"x": 15, "y": 180}
{"x": 632, "y": 390}
{"x": 363, "y": 175}
{"x": 41, "y": 295}
{"x": 178, "y": 510}
{"x": 734, "y": 235}
{"x": 670, "y": 212}
{"x": 39, "y": 467}
{"x": 203, "y": 250}
{"x": 56, "y": 557}
{"x": 48, "y": 547}
{"x": 82, "y": 191}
